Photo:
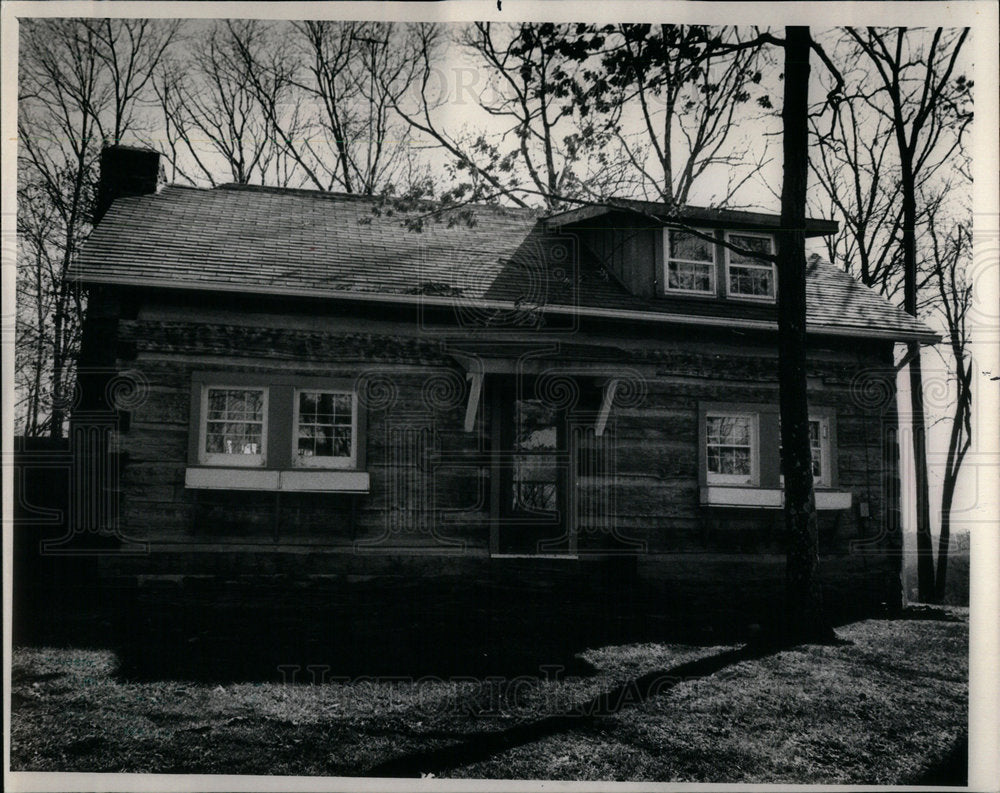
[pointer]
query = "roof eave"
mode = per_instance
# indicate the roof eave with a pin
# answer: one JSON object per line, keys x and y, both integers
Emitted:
{"x": 815, "y": 227}
{"x": 883, "y": 334}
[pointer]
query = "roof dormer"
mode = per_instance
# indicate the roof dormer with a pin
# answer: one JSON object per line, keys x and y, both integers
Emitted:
{"x": 656, "y": 251}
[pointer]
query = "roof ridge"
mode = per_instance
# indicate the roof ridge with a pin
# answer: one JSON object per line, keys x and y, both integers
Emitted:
{"x": 303, "y": 191}
{"x": 366, "y": 198}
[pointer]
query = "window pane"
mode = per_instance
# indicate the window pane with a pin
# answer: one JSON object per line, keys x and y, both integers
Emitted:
{"x": 324, "y": 442}
{"x": 714, "y": 460}
{"x": 755, "y": 244}
{"x": 748, "y": 280}
{"x": 341, "y": 440}
{"x": 688, "y": 246}
{"x": 535, "y": 425}
{"x": 729, "y": 429}
{"x": 307, "y": 405}
{"x": 254, "y": 401}
{"x": 307, "y": 443}
{"x": 734, "y": 461}
{"x": 325, "y": 424}
{"x": 730, "y": 460}
{"x": 729, "y": 445}
{"x": 216, "y": 404}
{"x": 689, "y": 276}
{"x": 536, "y": 496}
{"x": 234, "y": 423}
{"x": 342, "y": 403}
{"x": 325, "y": 407}
{"x": 535, "y": 482}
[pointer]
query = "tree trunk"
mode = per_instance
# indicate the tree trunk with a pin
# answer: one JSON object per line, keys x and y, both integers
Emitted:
{"x": 804, "y": 617}
{"x": 39, "y": 364}
{"x": 56, "y": 427}
{"x": 925, "y": 546}
{"x": 941, "y": 579}
{"x": 956, "y": 452}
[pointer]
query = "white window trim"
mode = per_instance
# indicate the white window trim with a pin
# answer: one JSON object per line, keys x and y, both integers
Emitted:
{"x": 823, "y": 480}
{"x": 293, "y": 481}
{"x": 774, "y": 270}
{"x": 299, "y": 461}
{"x": 232, "y": 460}
{"x": 736, "y": 479}
{"x": 667, "y": 259}
{"x": 769, "y": 498}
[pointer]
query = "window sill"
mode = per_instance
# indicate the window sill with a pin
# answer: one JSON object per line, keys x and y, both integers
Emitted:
{"x": 713, "y": 295}
{"x": 768, "y": 498}
{"x": 290, "y": 481}
{"x": 568, "y": 556}
{"x": 762, "y": 300}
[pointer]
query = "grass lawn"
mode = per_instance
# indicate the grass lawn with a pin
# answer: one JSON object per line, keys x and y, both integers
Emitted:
{"x": 878, "y": 711}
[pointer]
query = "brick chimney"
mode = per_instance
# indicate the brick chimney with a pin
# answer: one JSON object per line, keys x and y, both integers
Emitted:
{"x": 125, "y": 171}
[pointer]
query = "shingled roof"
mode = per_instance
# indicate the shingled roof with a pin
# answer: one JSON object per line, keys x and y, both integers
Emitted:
{"x": 327, "y": 245}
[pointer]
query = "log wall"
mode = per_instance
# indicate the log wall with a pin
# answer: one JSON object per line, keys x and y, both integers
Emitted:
{"x": 428, "y": 510}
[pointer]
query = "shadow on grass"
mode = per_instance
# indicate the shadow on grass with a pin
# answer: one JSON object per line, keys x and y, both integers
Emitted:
{"x": 922, "y": 612}
{"x": 951, "y": 770}
{"x": 482, "y": 746}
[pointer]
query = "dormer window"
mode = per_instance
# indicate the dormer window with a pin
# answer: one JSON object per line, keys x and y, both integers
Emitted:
{"x": 748, "y": 277}
{"x": 689, "y": 263}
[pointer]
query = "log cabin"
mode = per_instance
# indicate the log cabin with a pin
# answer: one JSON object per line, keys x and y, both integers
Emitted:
{"x": 316, "y": 385}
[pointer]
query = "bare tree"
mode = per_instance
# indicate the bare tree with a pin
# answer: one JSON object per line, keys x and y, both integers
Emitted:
{"x": 37, "y": 223}
{"x": 477, "y": 171}
{"x": 216, "y": 114}
{"x": 853, "y": 162}
{"x": 686, "y": 85}
{"x": 922, "y": 100}
{"x": 531, "y": 69}
{"x": 593, "y": 112}
{"x": 950, "y": 249}
{"x": 355, "y": 73}
{"x": 80, "y": 84}
{"x": 338, "y": 125}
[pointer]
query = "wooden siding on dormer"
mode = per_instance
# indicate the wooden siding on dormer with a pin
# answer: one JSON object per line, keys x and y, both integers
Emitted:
{"x": 632, "y": 253}
{"x": 627, "y": 248}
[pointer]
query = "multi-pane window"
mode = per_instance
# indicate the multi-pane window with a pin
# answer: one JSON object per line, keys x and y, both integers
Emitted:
{"x": 749, "y": 276}
{"x": 276, "y": 424}
{"x": 690, "y": 263}
{"x": 731, "y": 447}
{"x": 325, "y": 423}
{"x": 235, "y": 425}
{"x": 535, "y": 474}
